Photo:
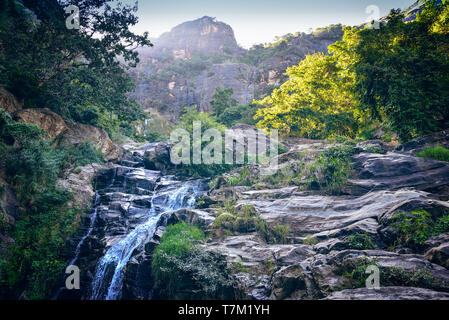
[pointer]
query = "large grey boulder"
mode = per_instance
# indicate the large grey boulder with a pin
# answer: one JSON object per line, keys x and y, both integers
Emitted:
{"x": 393, "y": 171}
{"x": 415, "y": 146}
{"x": 156, "y": 156}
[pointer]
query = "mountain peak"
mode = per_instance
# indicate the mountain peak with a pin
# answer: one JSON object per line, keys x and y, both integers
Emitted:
{"x": 204, "y": 35}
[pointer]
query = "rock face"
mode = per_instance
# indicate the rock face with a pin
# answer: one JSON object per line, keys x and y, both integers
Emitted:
{"x": 394, "y": 171}
{"x": 45, "y": 119}
{"x": 329, "y": 244}
{"x": 8, "y": 102}
{"x": 322, "y": 258}
{"x": 440, "y": 138}
{"x": 68, "y": 133}
{"x": 79, "y": 133}
{"x": 187, "y": 64}
{"x": 125, "y": 225}
{"x": 203, "y": 35}
{"x": 79, "y": 183}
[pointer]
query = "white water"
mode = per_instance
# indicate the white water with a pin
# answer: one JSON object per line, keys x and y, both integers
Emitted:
{"x": 117, "y": 257}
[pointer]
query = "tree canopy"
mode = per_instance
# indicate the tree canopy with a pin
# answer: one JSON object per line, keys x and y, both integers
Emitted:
{"x": 76, "y": 73}
{"x": 397, "y": 75}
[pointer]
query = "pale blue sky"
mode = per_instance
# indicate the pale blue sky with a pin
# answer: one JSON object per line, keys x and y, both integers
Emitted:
{"x": 259, "y": 21}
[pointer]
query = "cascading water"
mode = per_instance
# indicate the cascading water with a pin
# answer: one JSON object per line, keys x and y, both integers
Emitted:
{"x": 108, "y": 280}
{"x": 93, "y": 219}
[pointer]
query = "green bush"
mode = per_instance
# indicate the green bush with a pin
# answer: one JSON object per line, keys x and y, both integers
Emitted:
{"x": 360, "y": 241}
{"x": 436, "y": 153}
{"x": 241, "y": 179}
{"x": 375, "y": 149}
{"x": 332, "y": 169}
{"x": 33, "y": 263}
{"x": 82, "y": 155}
{"x": 183, "y": 270}
{"x": 309, "y": 240}
{"x": 245, "y": 220}
{"x": 208, "y": 121}
{"x": 441, "y": 226}
{"x": 415, "y": 228}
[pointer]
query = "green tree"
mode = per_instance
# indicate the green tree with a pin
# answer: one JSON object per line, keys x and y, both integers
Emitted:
{"x": 76, "y": 73}
{"x": 316, "y": 102}
{"x": 403, "y": 71}
{"x": 223, "y": 100}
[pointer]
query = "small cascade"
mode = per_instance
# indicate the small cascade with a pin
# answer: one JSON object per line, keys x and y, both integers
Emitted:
{"x": 109, "y": 274}
{"x": 93, "y": 219}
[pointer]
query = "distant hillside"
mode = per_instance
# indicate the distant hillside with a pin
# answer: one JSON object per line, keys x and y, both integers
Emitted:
{"x": 187, "y": 64}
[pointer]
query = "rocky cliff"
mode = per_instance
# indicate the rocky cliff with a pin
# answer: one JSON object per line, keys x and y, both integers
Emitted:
{"x": 328, "y": 242}
{"x": 187, "y": 64}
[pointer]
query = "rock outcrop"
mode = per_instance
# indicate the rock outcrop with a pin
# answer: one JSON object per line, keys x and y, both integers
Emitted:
{"x": 204, "y": 35}
{"x": 432, "y": 140}
{"x": 389, "y": 293}
{"x": 329, "y": 243}
{"x": 321, "y": 259}
{"x": 45, "y": 119}
{"x": 68, "y": 133}
{"x": 8, "y": 102}
{"x": 79, "y": 133}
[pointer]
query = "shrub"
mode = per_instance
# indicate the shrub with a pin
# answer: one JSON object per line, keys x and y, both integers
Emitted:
{"x": 332, "y": 169}
{"x": 413, "y": 228}
{"x": 375, "y": 149}
{"x": 360, "y": 241}
{"x": 82, "y": 155}
{"x": 35, "y": 261}
{"x": 207, "y": 122}
{"x": 246, "y": 220}
{"x": 309, "y": 240}
{"x": 436, "y": 153}
{"x": 183, "y": 270}
{"x": 441, "y": 226}
{"x": 273, "y": 235}
{"x": 240, "y": 180}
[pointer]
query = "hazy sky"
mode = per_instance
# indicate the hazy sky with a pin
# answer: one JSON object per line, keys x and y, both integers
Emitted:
{"x": 259, "y": 21}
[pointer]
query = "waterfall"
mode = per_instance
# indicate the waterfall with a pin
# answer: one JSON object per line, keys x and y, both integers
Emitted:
{"x": 108, "y": 280}
{"x": 93, "y": 218}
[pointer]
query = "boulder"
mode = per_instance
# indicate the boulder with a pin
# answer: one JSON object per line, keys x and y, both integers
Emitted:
{"x": 80, "y": 133}
{"x": 8, "y": 102}
{"x": 157, "y": 156}
{"x": 439, "y": 255}
{"x": 395, "y": 171}
{"x": 79, "y": 183}
{"x": 415, "y": 146}
{"x": 45, "y": 119}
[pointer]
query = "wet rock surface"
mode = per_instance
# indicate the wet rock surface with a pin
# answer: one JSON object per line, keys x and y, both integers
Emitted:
{"x": 124, "y": 227}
